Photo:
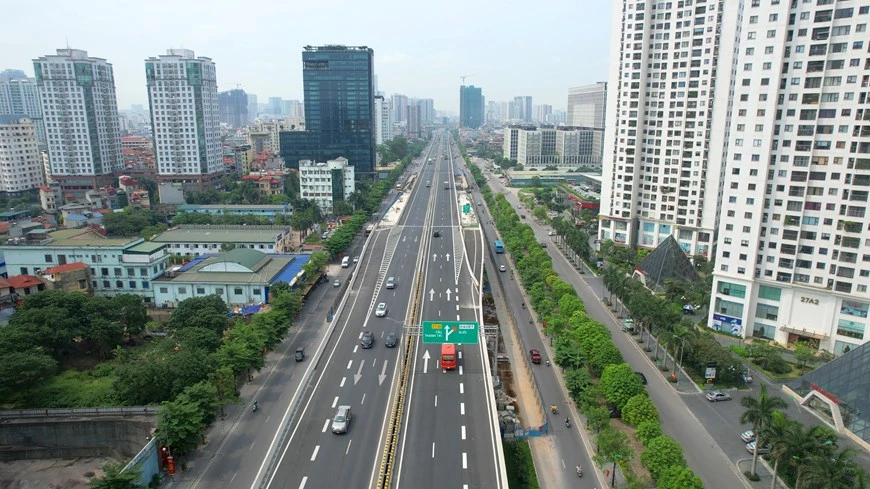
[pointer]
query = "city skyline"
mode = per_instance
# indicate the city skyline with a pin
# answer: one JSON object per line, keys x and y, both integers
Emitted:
{"x": 455, "y": 42}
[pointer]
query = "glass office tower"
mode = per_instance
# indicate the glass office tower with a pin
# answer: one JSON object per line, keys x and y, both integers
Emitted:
{"x": 339, "y": 108}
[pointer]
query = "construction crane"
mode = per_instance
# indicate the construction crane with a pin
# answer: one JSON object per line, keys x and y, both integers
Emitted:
{"x": 463, "y": 77}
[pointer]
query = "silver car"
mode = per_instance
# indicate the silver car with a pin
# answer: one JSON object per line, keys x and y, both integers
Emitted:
{"x": 716, "y": 396}
{"x": 341, "y": 421}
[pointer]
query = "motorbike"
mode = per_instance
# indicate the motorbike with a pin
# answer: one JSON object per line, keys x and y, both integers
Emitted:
{"x": 567, "y": 423}
{"x": 579, "y": 471}
{"x": 255, "y": 406}
{"x": 554, "y": 409}
{"x": 548, "y": 363}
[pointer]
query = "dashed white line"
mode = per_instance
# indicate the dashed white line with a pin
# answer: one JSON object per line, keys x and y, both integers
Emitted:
{"x": 325, "y": 425}
{"x": 355, "y": 348}
{"x": 457, "y": 317}
{"x": 464, "y": 460}
{"x": 335, "y": 402}
{"x": 463, "y": 432}
{"x": 363, "y": 399}
{"x": 462, "y": 388}
{"x": 343, "y": 380}
{"x": 433, "y": 449}
{"x": 460, "y": 370}
{"x": 302, "y": 484}
{"x": 462, "y": 408}
{"x": 457, "y": 307}
{"x": 349, "y": 363}
{"x": 348, "y": 447}
{"x": 314, "y": 455}
{"x": 436, "y": 401}
{"x": 460, "y": 354}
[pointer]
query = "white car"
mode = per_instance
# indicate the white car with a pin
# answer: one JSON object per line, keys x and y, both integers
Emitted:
{"x": 381, "y": 310}
{"x": 747, "y": 436}
{"x": 551, "y": 233}
{"x": 716, "y": 396}
{"x": 355, "y": 259}
{"x": 502, "y": 268}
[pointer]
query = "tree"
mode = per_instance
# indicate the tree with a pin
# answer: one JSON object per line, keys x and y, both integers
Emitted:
{"x": 597, "y": 417}
{"x": 620, "y": 383}
{"x": 577, "y": 380}
{"x": 662, "y": 453}
{"x": 804, "y": 355}
{"x": 129, "y": 311}
{"x": 201, "y": 312}
{"x": 535, "y": 181}
{"x": 225, "y": 247}
{"x": 180, "y": 424}
{"x": 647, "y": 430}
{"x": 777, "y": 437}
{"x": 639, "y": 409}
{"x": 316, "y": 264}
{"x": 113, "y": 478}
{"x": 834, "y": 472}
{"x": 23, "y": 369}
{"x": 614, "y": 446}
{"x": 759, "y": 411}
{"x": 679, "y": 478}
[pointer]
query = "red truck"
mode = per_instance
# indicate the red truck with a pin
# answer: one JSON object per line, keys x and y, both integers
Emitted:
{"x": 535, "y": 355}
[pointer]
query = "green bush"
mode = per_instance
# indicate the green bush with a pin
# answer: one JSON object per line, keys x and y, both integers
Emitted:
{"x": 740, "y": 350}
{"x": 647, "y": 430}
{"x": 662, "y": 453}
{"x": 639, "y": 409}
{"x": 519, "y": 465}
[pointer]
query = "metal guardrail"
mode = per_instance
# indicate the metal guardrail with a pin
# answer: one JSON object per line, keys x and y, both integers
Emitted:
{"x": 76, "y": 412}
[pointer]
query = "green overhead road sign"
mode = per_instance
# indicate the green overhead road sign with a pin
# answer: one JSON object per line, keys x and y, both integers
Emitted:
{"x": 457, "y": 332}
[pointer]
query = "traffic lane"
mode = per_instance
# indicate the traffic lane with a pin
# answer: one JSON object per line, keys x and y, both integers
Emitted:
{"x": 479, "y": 464}
{"x": 677, "y": 420}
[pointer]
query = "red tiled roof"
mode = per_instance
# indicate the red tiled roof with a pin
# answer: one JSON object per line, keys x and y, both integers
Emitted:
{"x": 66, "y": 268}
{"x": 24, "y": 281}
{"x": 4, "y": 284}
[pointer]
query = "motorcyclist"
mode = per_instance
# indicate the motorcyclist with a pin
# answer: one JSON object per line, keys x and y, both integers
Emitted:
{"x": 548, "y": 363}
{"x": 567, "y": 422}
{"x": 255, "y": 406}
{"x": 579, "y": 471}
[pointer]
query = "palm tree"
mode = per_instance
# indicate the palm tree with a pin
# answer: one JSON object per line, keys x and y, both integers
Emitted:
{"x": 777, "y": 437}
{"x": 833, "y": 472}
{"x": 759, "y": 411}
{"x": 804, "y": 445}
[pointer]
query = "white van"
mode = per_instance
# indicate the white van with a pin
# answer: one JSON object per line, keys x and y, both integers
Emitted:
{"x": 345, "y": 262}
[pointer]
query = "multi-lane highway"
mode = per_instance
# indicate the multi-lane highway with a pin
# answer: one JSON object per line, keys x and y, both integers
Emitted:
{"x": 451, "y": 438}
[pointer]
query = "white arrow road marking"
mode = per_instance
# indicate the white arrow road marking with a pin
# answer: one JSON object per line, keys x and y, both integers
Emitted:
{"x": 448, "y": 256}
{"x": 448, "y": 292}
{"x": 383, "y": 373}
{"x": 426, "y": 358}
{"x": 434, "y": 256}
{"x": 358, "y": 372}
{"x": 431, "y": 294}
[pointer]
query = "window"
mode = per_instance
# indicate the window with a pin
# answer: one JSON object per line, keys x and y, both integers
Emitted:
{"x": 729, "y": 308}
{"x": 49, "y": 259}
{"x": 200, "y": 291}
{"x": 238, "y": 291}
{"x": 733, "y": 290}
{"x": 769, "y": 293}
{"x": 119, "y": 284}
{"x": 766, "y": 311}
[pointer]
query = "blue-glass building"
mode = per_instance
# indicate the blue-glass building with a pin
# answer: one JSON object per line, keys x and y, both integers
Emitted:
{"x": 339, "y": 108}
{"x": 471, "y": 104}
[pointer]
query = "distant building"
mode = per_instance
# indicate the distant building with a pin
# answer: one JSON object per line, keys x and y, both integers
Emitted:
{"x": 182, "y": 92}
{"x": 587, "y": 105}
{"x": 253, "y": 110}
{"x": 471, "y": 103}
{"x": 240, "y": 277}
{"x": 267, "y": 183}
{"x": 399, "y": 103}
{"x": 195, "y": 240}
{"x": 427, "y": 110}
{"x": 563, "y": 147}
{"x": 20, "y": 96}
{"x": 20, "y": 160}
{"x": 233, "y": 108}
{"x": 72, "y": 277}
{"x": 414, "y": 121}
{"x": 544, "y": 114}
{"x": 74, "y": 86}
{"x": 268, "y": 211}
{"x": 339, "y": 108}
{"x": 383, "y": 119}
{"x": 325, "y": 183}
{"x": 51, "y": 196}
{"x": 23, "y": 285}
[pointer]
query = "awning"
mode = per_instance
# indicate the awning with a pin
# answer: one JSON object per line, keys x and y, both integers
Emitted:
{"x": 804, "y": 332}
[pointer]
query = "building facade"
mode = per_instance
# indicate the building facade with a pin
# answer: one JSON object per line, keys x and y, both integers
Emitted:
{"x": 195, "y": 240}
{"x": 80, "y": 116}
{"x": 792, "y": 258}
{"x": 414, "y": 121}
{"x": 233, "y": 108}
{"x": 587, "y": 105}
{"x": 20, "y": 96}
{"x": 666, "y": 122}
{"x": 326, "y": 183}
{"x": 20, "y": 160}
{"x": 339, "y": 108}
{"x": 471, "y": 104}
{"x": 182, "y": 93}
{"x": 384, "y": 119}
{"x": 544, "y": 147}
{"x": 400, "y": 107}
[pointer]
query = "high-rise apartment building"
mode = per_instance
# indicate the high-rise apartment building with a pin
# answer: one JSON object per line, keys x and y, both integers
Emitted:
{"x": 414, "y": 121}
{"x": 339, "y": 108}
{"x": 471, "y": 104}
{"x": 564, "y": 147}
{"x": 792, "y": 255}
{"x": 276, "y": 106}
{"x": 521, "y": 109}
{"x": 20, "y": 160}
{"x": 253, "y": 108}
{"x": 80, "y": 116}
{"x": 233, "y": 108}
{"x": 19, "y": 95}
{"x": 326, "y": 183}
{"x": 544, "y": 113}
{"x": 493, "y": 112}
{"x": 383, "y": 119}
{"x": 427, "y": 110}
{"x": 400, "y": 107}
{"x": 182, "y": 93}
{"x": 587, "y": 105}
{"x": 667, "y": 103}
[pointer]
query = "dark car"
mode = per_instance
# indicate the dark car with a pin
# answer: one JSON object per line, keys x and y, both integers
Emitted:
{"x": 391, "y": 340}
{"x": 367, "y": 340}
{"x": 300, "y": 354}
{"x": 436, "y": 234}
{"x": 642, "y": 377}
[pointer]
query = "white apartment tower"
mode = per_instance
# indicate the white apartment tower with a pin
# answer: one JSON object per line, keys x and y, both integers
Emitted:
{"x": 383, "y": 119}
{"x": 80, "y": 116}
{"x": 20, "y": 159}
{"x": 20, "y": 96}
{"x": 182, "y": 93}
{"x": 325, "y": 183}
{"x": 793, "y": 254}
{"x": 667, "y": 103}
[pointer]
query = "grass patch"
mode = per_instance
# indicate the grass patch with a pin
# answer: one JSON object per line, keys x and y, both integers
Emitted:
{"x": 76, "y": 389}
{"x": 520, "y": 468}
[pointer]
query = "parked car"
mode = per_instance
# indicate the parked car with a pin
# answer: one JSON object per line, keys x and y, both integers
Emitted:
{"x": 367, "y": 340}
{"x": 747, "y": 436}
{"x": 746, "y": 376}
{"x": 391, "y": 340}
{"x": 750, "y": 447}
{"x": 551, "y": 233}
{"x": 716, "y": 396}
{"x": 381, "y": 310}
{"x": 341, "y": 420}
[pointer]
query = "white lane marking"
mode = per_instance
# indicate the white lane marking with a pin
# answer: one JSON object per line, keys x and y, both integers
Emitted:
{"x": 462, "y": 388}
{"x": 436, "y": 401}
{"x": 464, "y": 460}
{"x": 363, "y": 399}
{"x": 462, "y": 408}
{"x": 463, "y": 432}
{"x": 335, "y": 402}
{"x": 457, "y": 307}
{"x": 460, "y": 370}
{"x": 433, "y": 449}
{"x": 348, "y": 447}
{"x": 464, "y": 486}
{"x": 460, "y": 354}
{"x": 355, "y": 347}
{"x": 314, "y": 455}
{"x": 325, "y": 425}
{"x": 302, "y": 484}
{"x": 343, "y": 380}
{"x": 349, "y": 363}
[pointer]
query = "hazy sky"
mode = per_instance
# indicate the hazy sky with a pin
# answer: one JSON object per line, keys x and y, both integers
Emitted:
{"x": 421, "y": 48}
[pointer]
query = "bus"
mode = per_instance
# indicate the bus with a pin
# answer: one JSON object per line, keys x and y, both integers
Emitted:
{"x": 448, "y": 356}
{"x": 499, "y": 246}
